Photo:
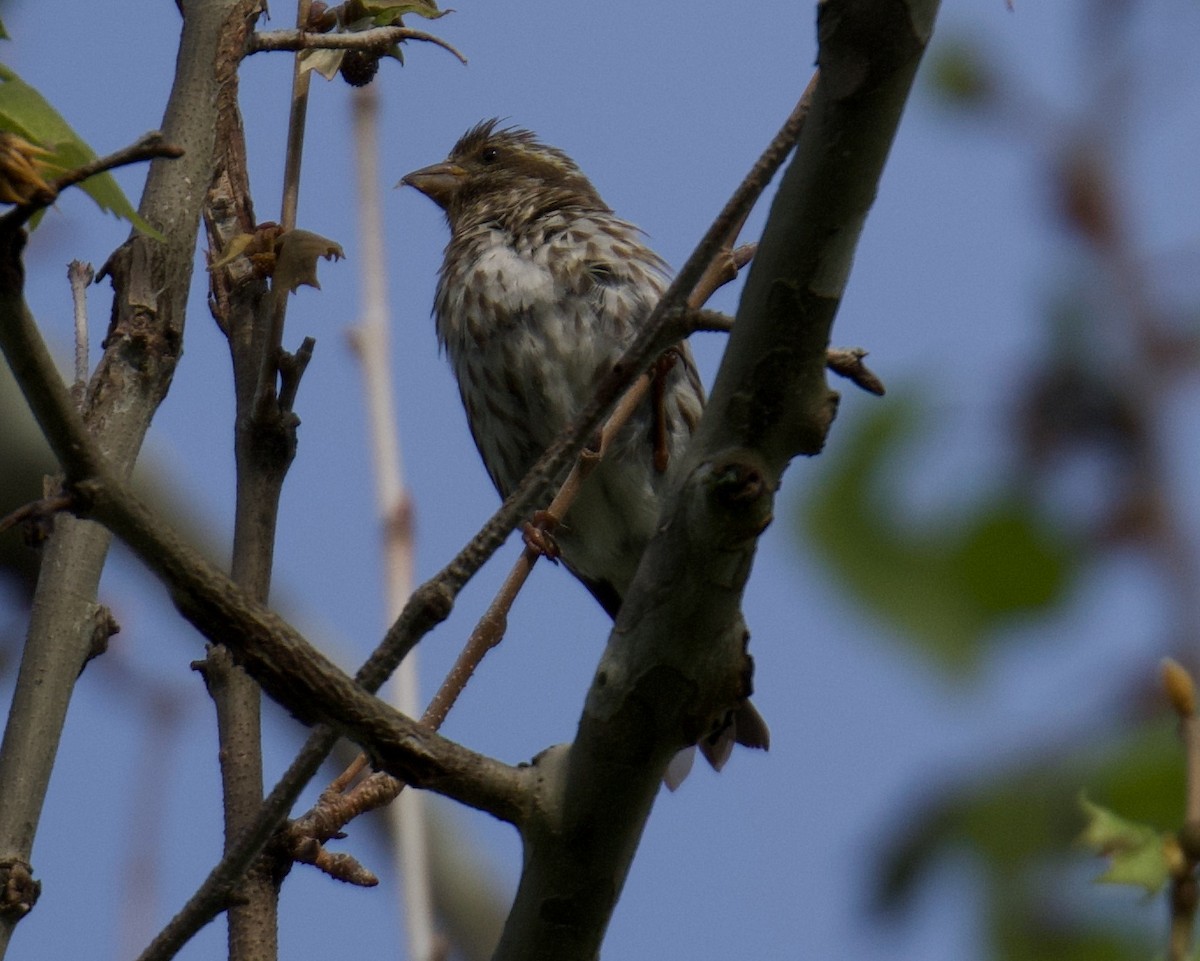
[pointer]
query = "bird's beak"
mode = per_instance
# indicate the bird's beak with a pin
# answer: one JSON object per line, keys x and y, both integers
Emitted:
{"x": 439, "y": 182}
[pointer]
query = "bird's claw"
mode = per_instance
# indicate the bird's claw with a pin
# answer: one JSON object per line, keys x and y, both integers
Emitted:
{"x": 536, "y": 532}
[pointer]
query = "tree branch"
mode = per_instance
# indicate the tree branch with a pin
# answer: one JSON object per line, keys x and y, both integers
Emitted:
{"x": 676, "y": 659}
{"x": 264, "y": 447}
{"x": 376, "y": 39}
{"x": 290, "y": 669}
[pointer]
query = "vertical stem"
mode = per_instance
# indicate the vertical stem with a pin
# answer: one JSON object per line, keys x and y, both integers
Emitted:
{"x": 408, "y": 814}
{"x": 295, "y": 135}
{"x": 297, "y": 118}
{"x": 265, "y": 444}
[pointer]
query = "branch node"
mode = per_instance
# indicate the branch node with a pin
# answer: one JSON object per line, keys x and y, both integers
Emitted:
{"x": 848, "y": 362}
{"x": 19, "y": 890}
{"x": 104, "y": 626}
{"x": 38, "y": 517}
{"x": 291, "y": 370}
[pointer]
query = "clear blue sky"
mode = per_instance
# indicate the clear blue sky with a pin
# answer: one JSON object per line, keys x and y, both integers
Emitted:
{"x": 665, "y": 106}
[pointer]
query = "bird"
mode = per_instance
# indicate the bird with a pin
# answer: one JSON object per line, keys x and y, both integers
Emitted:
{"x": 541, "y": 289}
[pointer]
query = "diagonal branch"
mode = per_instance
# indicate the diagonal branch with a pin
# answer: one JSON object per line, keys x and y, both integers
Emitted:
{"x": 272, "y": 651}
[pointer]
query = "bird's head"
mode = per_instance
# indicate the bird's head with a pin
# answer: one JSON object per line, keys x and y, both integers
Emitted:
{"x": 503, "y": 169}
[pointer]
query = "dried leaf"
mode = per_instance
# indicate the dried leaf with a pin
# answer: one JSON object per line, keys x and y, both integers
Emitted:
{"x": 386, "y": 12}
{"x": 23, "y": 168}
{"x": 1180, "y": 688}
{"x": 258, "y": 247}
{"x": 296, "y": 254}
{"x": 324, "y": 62}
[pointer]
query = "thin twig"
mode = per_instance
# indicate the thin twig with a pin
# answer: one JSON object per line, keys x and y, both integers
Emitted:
{"x": 1180, "y": 688}
{"x": 490, "y": 629}
{"x": 212, "y": 897}
{"x": 705, "y": 321}
{"x": 336, "y": 808}
{"x": 377, "y": 38}
{"x": 844, "y": 361}
{"x": 723, "y": 268}
{"x": 79, "y": 275}
{"x": 147, "y": 147}
{"x": 265, "y": 395}
{"x": 43, "y": 507}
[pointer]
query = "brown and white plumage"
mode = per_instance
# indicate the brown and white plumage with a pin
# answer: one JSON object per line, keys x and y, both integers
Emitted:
{"x": 541, "y": 290}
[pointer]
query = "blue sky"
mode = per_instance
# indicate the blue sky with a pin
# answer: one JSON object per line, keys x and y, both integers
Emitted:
{"x": 665, "y": 106}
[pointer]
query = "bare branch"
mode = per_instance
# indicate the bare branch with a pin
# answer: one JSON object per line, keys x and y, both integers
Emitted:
{"x": 150, "y": 145}
{"x": 376, "y": 39}
{"x": 42, "y": 509}
{"x": 289, "y": 668}
{"x": 848, "y": 362}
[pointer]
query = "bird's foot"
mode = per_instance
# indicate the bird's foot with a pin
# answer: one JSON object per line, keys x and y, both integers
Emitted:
{"x": 538, "y": 536}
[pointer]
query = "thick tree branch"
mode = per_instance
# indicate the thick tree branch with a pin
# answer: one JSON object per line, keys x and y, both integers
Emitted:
{"x": 676, "y": 659}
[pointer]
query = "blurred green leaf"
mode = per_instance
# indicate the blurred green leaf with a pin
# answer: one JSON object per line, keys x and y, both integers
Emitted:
{"x": 1022, "y": 940}
{"x": 948, "y": 583}
{"x": 26, "y": 112}
{"x": 1136, "y": 851}
{"x": 1021, "y": 824}
{"x": 959, "y": 73}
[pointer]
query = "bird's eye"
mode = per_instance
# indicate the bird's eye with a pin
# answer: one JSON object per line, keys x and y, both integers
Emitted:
{"x": 490, "y": 156}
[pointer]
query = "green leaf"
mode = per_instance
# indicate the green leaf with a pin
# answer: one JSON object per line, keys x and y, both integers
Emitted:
{"x": 1019, "y": 824}
{"x": 384, "y": 13}
{"x": 1137, "y": 853}
{"x": 388, "y": 11}
{"x": 24, "y": 111}
{"x": 948, "y": 583}
{"x": 3, "y": 33}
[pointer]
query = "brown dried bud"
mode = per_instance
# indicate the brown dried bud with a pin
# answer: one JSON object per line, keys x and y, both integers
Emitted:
{"x": 321, "y": 19}
{"x": 1180, "y": 688}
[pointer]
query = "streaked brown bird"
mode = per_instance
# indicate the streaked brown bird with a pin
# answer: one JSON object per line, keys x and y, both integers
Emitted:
{"x": 541, "y": 290}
